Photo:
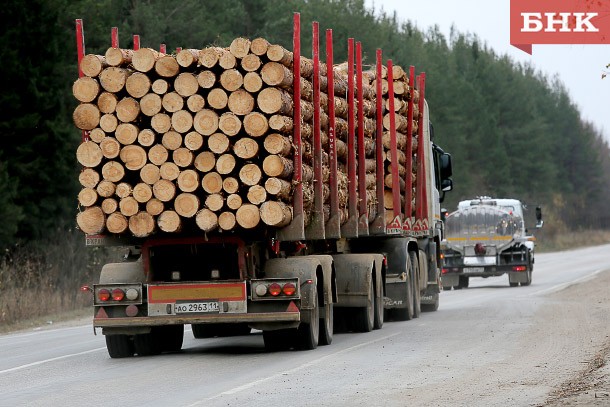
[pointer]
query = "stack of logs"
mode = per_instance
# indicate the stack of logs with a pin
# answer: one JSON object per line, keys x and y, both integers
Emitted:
{"x": 203, "y": 138}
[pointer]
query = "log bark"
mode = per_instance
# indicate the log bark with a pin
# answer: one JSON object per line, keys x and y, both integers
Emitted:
{"x": 278, "y": 166}
{"x": 212, "y": 183}
{"x": 214, "y": 202}
{"x": 206, "y": 122}
{"x": 169, "y": 171}
{"x": 245, "y": 148}
{"x": 87, "y": 197}
{"x": 109, "y": 206}
{"x": 205, "y": 161}
{"x": 164, "y": 190}
{"x": 160, "y": 86}
{"x": 240, "y": 47}
{"x": 241, "y": 102}
{"x": 253, "y": 82}
{"x": 231, "y": 80}
{"x": 154, "y": 207}
{"x": 256, "y": 124}
{"x": 92, "y": 65}
{"x": 226, "y": 220}
{"x": 108, "y": 123}
{"x": 110, "y": 147}
{"x": 282, "y": 124}
{"x": 105, "y": 188}
{"x": 186, "y": 84}
{"x": 91, "y": 221}
{"x": 248, "y": 216}
{"x": 161, "y": 123}
{"x": 206, "y": 79}
{"x": 187, "y": 58}
{"x": 89, "y": 178}
{"x": 401, "y": 140}
{"x": 251, "y": 63}
{"x": 150, "y": 174}
{"x": 182, "y": 157}
{"x": 206, "y": 220}
{"x": 142, "y": 224}
{"x": 123, "y": 190}
{"x": 89, "y": 154}
{"x": 279, "y": 187}
{"x": 142, "y": 192}
{"x": 256, "y": 194}
{"x": 193, "y": 141}
{"x": 113, "y": 171}
{"x": 86, "y": 116}
{"x": 126, "y": 133}
{"x": 230, "y": 185}
{"x": 113, "y": 79}
{"x": 229, "y": 124}
{"x": 276, "y": 143}
{"x": 167, "y": 67}
{"x": 275, "y": 213}
{"x": 218, "y": 143}
{"x": 128, "y": 206}
{"x": 172, "y": 102}
{"x": 195, "y": 103}
{"x": 133, "y": 156}
{"x": 274, "y": 100}
{"x": 234, "y": 201}
{"x": 150, "y": 104}
{"x": 138, "y": 84}
{"x": 217, "y": 98}
{"x": 182, "y": 121}
{"x": 225, "y": 164}
{"x": 106, "y": 102}
{"x": 259, "y": 46}
{"x": 401, "y": 122}
{"x": 158, "y": 154}
{"x": 186, "y": 205}
{"x": 85, "y": 89}
{"x": 250, "y": 174}
{"x": 169, "y": 222}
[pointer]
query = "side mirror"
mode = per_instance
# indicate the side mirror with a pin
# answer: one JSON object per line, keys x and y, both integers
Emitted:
{"x": 539, "y": 221}
{"x": 446, "y": 184}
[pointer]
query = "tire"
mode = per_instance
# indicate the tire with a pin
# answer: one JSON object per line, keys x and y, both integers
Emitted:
{"x": 432, "y": 307}
{"x": 364, "y": 318}
{"x": 327, "y": 322}
{"x": 464, "y": 281}
{"x": 415, "y": 283}
{"x": 529, "y": 278}
{"x": 406, "y": 313}
{"x": 379, "y": 310}
{"x": 513, "y": 284}
{"x": 119, "y": 346}
{"x": 171, "y": 337}
{"x": 148, "y": 344}
{"x": 308, "y": 334}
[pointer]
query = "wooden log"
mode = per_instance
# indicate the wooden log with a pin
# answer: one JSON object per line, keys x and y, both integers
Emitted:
{"x": 195, "y": 103}
{"x": 205, "y": 161}
{"x": 188, "y": 180}
{"x": 171, "y": 140}
{"x": 172, "y": 102}
{"x": 401, "y": 122}
{"x": 167, "y": 67}
{"x": 113, "y": 79}
{"x": 274, "y": 100}
{"x": 401, "y": 140}
{"x": 138, "y": 84}
{"x": 226, "y": 220}
{"x": 276, "y": 74}
{"x": 259, "y": 46}
{"x": 85, "y": 89}
{"x": 142, "y": 224}
{"x": 217, "y": 98}
{"x": 186, "y": 204}
{"x": 277, "y": 53}
{"x": 91, "y": 221}
{"x": 230, "y": 185}
{"x": 110, "y": 147}
{"x": 275, "y": 213}
{"x": 158, "y": 154}
{"x": 86, "y": 116}
{"x": 193, "y": 141}
{"x": 109, "y": 206}
{"x": 164, "y": 190}
{"x": 256, "y": 124}
{"x": 251, "y": 63}
{"x": 108, "y": 123}
{"x": 87, "y": 197}
{"x": 231, "y": 80}
{"x": 126, "y": 133}
{"x": 253, "y": 82}
{"x": 214, "y": 202}
{"x": 151, "y": 104}
{"x": 234, "y": 201}
{"x": 144, "y": 59}
{"x": 97, "y": 135}
{"x": 169, "y": 222}
{"x": 183, "y": 157}
{"x": 113, "y": 171}
{"x": 212, "y": 182}
{"x": 89, "y": 178}
{"x": 106, "y": 102}
{"x": 279, "y": 187}
{"x": 227, "y": 60}
{"x": 278, "y": 166}
{"x": 187, "y": 58}
{"x": 128, "y": 206}
{"x": 208, "y": 57}
{"x": 206, "y": 122}
{"x": 250, "y": 174}
{"x": 206, "y": 220}
{"x": 155, "y": 207}
{"x": 186, "y": 84}
{"x": 123, "y": 190}
{"x": 218, "y": 143}
{"x": 133, "y": 156}
{"x": 225, "y": 164}
{"x": 105, "y": 188}
{"x": 92, "y": 65}
{"x": 387, "y": 180}
{"x": 241, "y": 102}
{"x": 206, "y": 79}
{"x": 399, "y": 154}
{"x": 89, "y": 154}
{"x": 276, "y": 143}
{"x": 245, "y": 148}
{"x": 247, "y": 216}
{"x": 142, "y": 192}
{"x": 169, "y": 171}
{"x": 161, "y": 123}
{"x": 182, "y": 121}
{"x": 150, "y": 173}
{"x": 229, "y": 124}
{"x": 240, "y": 47}
{"x": 256, "y": 194}
{"x": 160, "y": 86}
{"x": 282, "y": 124}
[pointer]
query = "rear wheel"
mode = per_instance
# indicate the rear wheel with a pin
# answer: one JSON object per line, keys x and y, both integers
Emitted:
{"x": 464, "y": 281}
{"x": 513, "y": 284}
{"x": 364, "y": 317}
{"x": 307, "y": 334}
{"x": 379, "y": 309}
{"x": 431, "y": 307}
{"x": 406, "y": 313}
{"x": 415, "y": 283}
{"x": 529, "y": 278}
{"x": 327, "y": 324}
{"x": 119, "y": 346}
{"x": 148, "y": 344}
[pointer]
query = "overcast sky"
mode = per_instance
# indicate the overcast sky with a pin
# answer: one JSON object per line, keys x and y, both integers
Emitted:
{"x": 579, "y": 67}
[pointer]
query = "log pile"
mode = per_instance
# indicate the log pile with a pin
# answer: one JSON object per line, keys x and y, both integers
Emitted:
{"x": 203, "y": 138}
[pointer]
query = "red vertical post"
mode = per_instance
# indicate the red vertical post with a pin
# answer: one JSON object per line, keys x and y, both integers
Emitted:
{"x": 178, "y": 49}
{"x": 114, "y": 35}
{"x": 136, "y": 42}
{"x": 422, "y": 200}
{"x": 80, "y": 44}
{"x": 350, "y": 228}
{"x": 393, "y": 148}
{"x": 409, "y": 153}
{"x": 379, "y": 225}
{"x": 333, "y": 226}
{"x": 363, "y": 222}
{"x": 163, "y": 49}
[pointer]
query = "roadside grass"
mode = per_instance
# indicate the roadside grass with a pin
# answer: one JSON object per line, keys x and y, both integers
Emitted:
{"x": 571, "y": 240}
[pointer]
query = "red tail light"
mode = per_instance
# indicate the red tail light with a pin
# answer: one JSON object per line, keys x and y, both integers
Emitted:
{"x": 275, "y": 289}
{"x": 289, "y": 289}
{"x": 519, "y": 268}
{"x": 118, "y": 294}
{"x": 444, "y": 271}
{"x": 103, "y": 294}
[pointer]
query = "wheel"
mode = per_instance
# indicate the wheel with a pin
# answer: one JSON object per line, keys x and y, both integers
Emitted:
{"x": 364, "y": 318}
{"x": 148, "y": 344}
{"x": 464, "y": 280}
{"x": 379, "y": 310}
{"x": 432, "y": 307}
{"x": 119, "y": 346}
{"x": 513, "y": 284}
{"x": 415, "y": 283}
{"x": 406, "y": 313}
{"x": 307, "y": 334}
{"x": 327, "y": 322}
{"x": 447, "y": 288}
{"x": 171, "y": 337}
{"x": 529, "y": 278}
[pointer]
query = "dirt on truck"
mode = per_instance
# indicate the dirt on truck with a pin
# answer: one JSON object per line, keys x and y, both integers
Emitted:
{"x": 256, "y": 188}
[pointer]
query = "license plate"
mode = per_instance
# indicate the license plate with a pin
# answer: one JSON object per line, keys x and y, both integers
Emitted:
{"x": 196, "y": 307}
{"x": 473, "y": 270}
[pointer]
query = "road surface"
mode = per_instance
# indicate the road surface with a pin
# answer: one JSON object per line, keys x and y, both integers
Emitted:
{"x": 542, "y": 345}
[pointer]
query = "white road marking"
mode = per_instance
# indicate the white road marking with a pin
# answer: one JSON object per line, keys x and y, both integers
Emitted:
{"x": 40, "y": 362}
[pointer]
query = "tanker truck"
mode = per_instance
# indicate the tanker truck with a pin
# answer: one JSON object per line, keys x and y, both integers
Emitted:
{"x": 486, "y": 237}
{"x": 276, "y": 209}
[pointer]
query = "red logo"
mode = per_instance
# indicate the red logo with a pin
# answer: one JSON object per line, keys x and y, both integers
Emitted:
{"x": 559, "y": 22}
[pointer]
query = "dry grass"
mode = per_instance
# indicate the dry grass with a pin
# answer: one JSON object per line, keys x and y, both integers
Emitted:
{"x": 571, "y": 240}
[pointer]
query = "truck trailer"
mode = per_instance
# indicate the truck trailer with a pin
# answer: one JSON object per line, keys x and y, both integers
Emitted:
{"x": 342, "y": 247}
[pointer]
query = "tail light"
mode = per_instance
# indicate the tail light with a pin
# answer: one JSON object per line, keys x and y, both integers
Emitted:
{"x": 289, "y": 289}
{"x": 118, "y": 294}
{"x": 480, "y": 249}
{"x": 519, "y": 268}
{"x": 103, "y": 294}
{"x": 444, "y": 271}
{"x": 275, "y": 289}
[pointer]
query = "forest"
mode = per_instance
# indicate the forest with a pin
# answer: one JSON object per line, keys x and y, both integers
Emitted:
{"x": 512, "y": 131}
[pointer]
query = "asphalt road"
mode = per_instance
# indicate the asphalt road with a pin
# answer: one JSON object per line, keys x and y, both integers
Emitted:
{"x": 487, "y": 345}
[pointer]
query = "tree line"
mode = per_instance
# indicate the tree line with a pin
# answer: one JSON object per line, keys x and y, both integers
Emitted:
{"x": 512, "y": 131}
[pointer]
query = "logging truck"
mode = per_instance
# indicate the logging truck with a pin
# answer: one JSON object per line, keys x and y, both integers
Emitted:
{"x": 256, "y": 189}
{"x": 486, "y": 237}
